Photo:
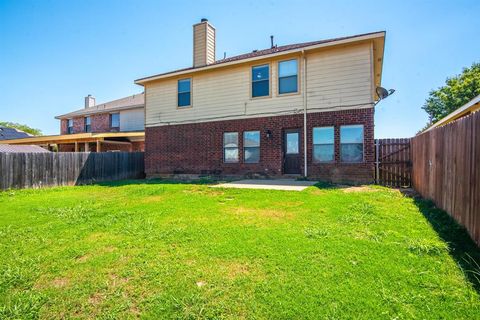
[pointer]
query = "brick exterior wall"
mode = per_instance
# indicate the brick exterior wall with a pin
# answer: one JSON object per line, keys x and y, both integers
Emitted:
{"x": 198, "y": 148}
{"x": 99, "y": 123}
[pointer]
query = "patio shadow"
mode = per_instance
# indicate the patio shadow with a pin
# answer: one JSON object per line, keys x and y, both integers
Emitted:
{"x": 461, "y": 247}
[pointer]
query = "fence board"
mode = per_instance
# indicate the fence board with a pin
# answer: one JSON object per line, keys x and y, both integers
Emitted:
{"x": 445, "y": 170}
{"x": 36, "y": 170}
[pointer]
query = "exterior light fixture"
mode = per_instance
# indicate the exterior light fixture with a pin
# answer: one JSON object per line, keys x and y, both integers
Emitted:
{"x": 268, "y": 133}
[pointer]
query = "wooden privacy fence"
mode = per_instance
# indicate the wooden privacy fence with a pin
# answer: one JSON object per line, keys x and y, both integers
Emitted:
{"x": 446, "y": 170}
{"x": 35, "y": 170}
{"x": 393, "y": 162}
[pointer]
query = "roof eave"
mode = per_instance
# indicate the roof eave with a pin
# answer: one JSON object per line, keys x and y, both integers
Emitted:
{"x": 380, "y": 34}
{"x": 457, "y": 113}
{"x": 80, "y": 114}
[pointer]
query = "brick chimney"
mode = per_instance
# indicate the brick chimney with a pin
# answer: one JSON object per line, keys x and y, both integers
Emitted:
{"x": 89, "y": 101}
{"x": 203, "y": 43}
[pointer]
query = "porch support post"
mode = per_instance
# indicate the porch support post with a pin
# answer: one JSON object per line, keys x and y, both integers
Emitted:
{"x": 87, "y": 147}
{"x": 99, "y": 146}
{"x": 76, "y": 146}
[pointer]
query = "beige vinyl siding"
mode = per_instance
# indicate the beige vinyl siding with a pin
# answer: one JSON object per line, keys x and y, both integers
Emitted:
{"x": 132, "y": 120}
{"x": 336, "y": 79}
{"x": 210, "y": 44}
{"x": 199, "y": 44}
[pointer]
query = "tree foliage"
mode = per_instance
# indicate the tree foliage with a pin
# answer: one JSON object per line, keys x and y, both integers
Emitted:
{"x": 23, "y": 127}
{"x": 456, "y": 92}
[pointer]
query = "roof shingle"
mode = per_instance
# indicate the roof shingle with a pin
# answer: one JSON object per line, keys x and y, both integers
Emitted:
{"x": 264, "y": 52}
{"x": 11, "y": 133}
{"x": 136, "y": 100}
{"x": 7, "y": 148}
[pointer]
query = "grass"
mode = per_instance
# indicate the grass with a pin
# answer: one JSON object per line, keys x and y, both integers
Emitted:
{"x": 187, "y": 251}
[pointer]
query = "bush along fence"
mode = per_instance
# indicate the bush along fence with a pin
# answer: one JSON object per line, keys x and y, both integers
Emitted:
{"x": 35, "y": 170}
{"x": 446, "y": 170}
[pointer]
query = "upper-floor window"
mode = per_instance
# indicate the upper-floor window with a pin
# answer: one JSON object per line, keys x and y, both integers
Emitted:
{"x": 70, "y": 126}
{"x": 184, "y": 95}
{"x": 251, "y": 146}
{"x": 230, "y": 147}
{"x": 288, "y": 76}
{"x": 88, "y": 124}
{"x": 115, "y": 120}
{"x": 323, "y": 144}
{"x": 261, "y": 81}
{"x": 351, "y": 143}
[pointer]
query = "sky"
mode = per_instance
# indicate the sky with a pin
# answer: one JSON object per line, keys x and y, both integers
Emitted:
{"x": 54, "y": 53}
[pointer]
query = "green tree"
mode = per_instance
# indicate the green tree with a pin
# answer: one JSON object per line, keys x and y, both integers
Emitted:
{"x": 23, "y": 127}
{"x": 456, "y": 92}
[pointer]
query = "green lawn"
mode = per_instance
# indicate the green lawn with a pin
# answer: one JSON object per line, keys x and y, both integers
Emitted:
{"x": 166, "y": 250}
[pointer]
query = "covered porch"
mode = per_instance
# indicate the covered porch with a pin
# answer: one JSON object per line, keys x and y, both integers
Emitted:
{"x": 86, "y": 142}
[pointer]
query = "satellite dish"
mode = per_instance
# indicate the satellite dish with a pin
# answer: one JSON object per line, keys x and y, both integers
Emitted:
{"x": 382, "y": 93}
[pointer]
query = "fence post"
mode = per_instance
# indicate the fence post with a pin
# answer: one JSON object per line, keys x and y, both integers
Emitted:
{"x": 377, "y": 168}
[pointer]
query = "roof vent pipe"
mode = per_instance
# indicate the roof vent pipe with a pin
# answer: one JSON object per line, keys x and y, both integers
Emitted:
{"x": 271, "y": 42}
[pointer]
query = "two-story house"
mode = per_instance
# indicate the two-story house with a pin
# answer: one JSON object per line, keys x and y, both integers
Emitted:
{"x": 299, "y": 109}
{"x": 122, "y": 121}
{"x": 116, "y": 125}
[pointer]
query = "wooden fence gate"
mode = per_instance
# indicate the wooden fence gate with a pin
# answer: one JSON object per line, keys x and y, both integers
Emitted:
{"x": 393, "y": 165}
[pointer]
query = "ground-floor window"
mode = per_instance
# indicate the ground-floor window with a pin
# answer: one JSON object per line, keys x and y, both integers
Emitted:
{"x": 230, "y": 147}
{"x": 251, "y": 146}
{"x": 323, "y": 144}
{"x": 351, "y": 143}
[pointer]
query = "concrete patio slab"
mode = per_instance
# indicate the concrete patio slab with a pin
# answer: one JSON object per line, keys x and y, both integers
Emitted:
{"x": 274, "y": 184}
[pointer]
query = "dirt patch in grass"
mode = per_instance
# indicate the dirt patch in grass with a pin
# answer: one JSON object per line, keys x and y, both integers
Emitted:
{"x": 204, "y": 191}
{"x": 359, "y": 189}
{"x": 237, "y": 269}
{"x": 152, "y": 199}
{"x": 83, "y": 258}
{"x": 60, "y": 282}
{"x": 116, "y": 280}
{"x": 95, "y": 299}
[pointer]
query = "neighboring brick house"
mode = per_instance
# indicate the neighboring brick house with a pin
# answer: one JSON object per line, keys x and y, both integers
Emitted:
{"x": 250, "y": 114}
{"x": 112, "y": 126}
{"x": 119, "y": 116}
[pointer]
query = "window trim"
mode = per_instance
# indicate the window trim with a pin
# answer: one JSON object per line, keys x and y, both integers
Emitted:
{"x": 269, "y": 81}
{"x": 278, "y": 78}
{"x": 85, "y": 124}
{"x": 223, "y": 148}
{"x": 321, "y": 144}
{"x": 112, "y": 127}
{"x": 259, "y": 144}
{"x": 191, "y": 95}
{"x": 363, "y": 143}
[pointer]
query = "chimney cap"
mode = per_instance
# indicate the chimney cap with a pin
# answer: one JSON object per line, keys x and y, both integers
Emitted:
{"x": 204, "y": 20}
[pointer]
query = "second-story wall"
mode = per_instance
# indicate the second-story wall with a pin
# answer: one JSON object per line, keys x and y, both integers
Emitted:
{"x": 130, "y": 120}
{"x": 337, "y": 78}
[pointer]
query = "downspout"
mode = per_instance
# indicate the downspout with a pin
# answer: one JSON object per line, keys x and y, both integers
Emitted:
{"x": 304, "y": 90}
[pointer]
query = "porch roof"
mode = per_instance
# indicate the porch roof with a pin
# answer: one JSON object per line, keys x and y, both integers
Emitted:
{"x": 77, "y": 137}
